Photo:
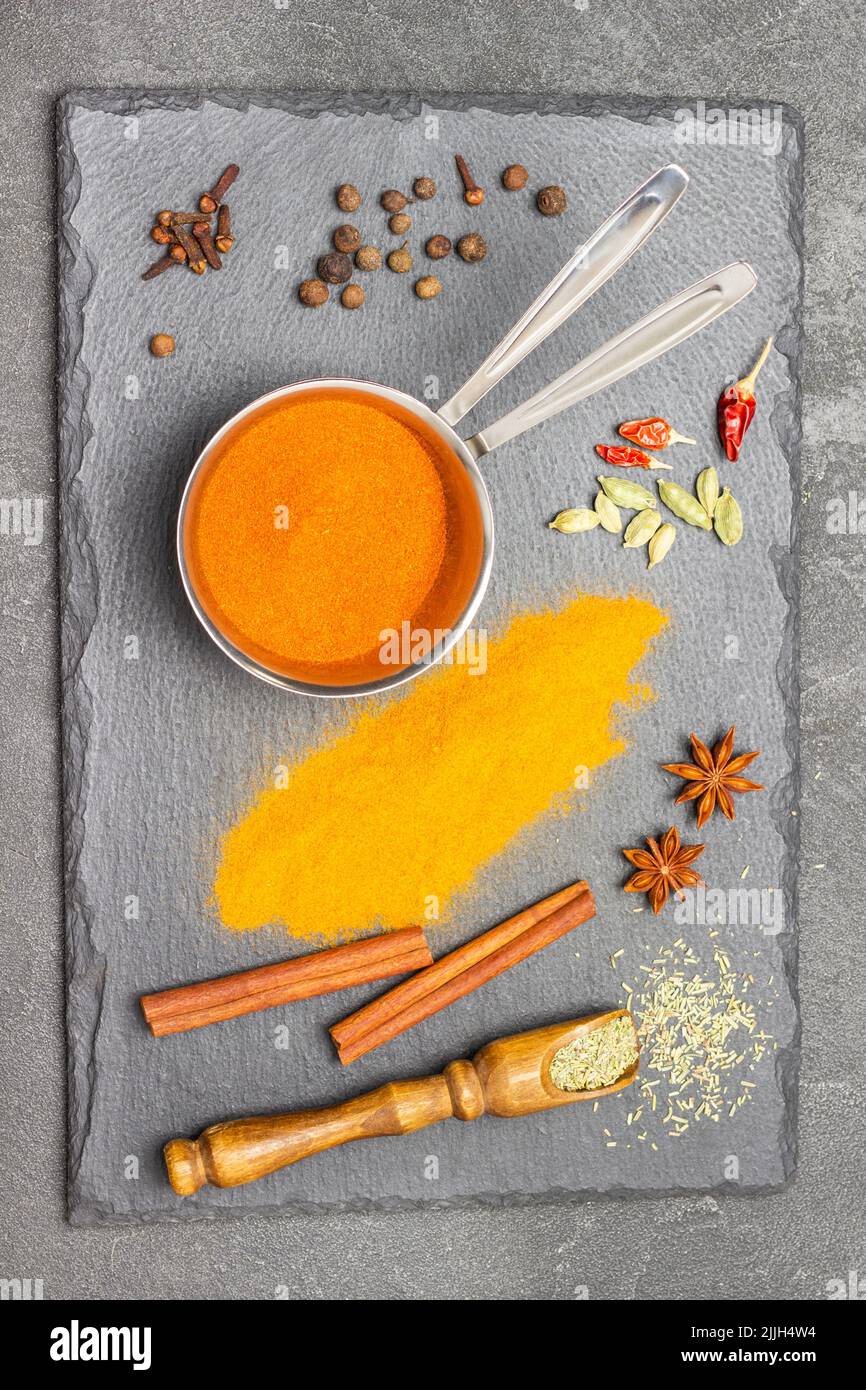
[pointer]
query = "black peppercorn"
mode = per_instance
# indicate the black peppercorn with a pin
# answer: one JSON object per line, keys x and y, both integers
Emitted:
{"x": 551, "y": 201}
{"x": 438, "y": 247}
{"x": 335, "y": 268}
{"x": 348, "y": 197}
{"x": 313, "y": 293}
{"x": 472, "y": 247}
{"x": 424, "y": 188}
{"x": 515, "y": 177}
{"x": 393, "y": 201}
{"x": 347, "y": 237}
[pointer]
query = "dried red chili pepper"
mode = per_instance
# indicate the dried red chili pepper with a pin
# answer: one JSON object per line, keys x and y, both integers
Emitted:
{"x": 624, "y": 456}
{"x": 653, "y": 433}
{"x": 736, "y": 408}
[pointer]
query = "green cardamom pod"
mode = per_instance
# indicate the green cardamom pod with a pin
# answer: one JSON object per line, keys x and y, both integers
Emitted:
{"x": 641, "y": 528}
{"x": 624, "y": 493}
{"x": 661, "y": 543}
{"x": 707, "y": 488}
{"x": 683, "y": 504}
{"x": 575, "y": 519}
{"x": 728, "y": 519}
{"x": 608, "y": 514}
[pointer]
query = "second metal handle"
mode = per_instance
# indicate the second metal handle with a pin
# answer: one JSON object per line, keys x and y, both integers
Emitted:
{"x": 653, "y": 335}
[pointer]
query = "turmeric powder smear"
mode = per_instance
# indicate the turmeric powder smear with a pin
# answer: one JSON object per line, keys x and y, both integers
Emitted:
{"x": 415, "y": 797}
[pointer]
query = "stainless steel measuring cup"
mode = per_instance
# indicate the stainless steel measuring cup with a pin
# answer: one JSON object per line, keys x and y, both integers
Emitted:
{"x": 588, "y": 269}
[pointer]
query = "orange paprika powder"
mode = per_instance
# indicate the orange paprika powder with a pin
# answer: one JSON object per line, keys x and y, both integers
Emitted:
{"x": 325, "y": 520}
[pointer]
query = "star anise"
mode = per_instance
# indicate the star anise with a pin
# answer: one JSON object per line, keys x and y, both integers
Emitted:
{"x": 713, "y": 776}
{"x": 663, "y": 869}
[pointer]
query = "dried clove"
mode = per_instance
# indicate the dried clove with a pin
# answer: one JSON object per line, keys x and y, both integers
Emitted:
{"x": 165, "y": 263}
{"x": 472, "y": 193}
{"x": 194, "y": 254}
{"x": 209, "y": 202}
{"x": 202, "y": 234}
{"x": 224, "y": 241}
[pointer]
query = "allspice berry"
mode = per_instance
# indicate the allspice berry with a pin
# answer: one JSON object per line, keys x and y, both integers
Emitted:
{"x": 352, "y": 297}
{"x": 348, "y": 197}
{"x": 424, "y": 188}
{"x": 393, "y": 201}
{"x": 515, "y": 177}
{"x": 428, "y": 287}
{"x": 335, "y": 268}
{"x": 399, "y": 222}
{"x": 472, "y": 247}
{"x": 551, "y": 201}
{"x": 368, "y": 258}
{"x": 347, "y": 237}
{"x": 313, "y": 293}
{"x": 162, "y": 345}
{"x": 400, "y": 260}
{"x": 438, "y": 247}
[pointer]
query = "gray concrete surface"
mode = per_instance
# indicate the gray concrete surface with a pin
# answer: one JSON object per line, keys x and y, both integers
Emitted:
{"x": 786, "y": 1245}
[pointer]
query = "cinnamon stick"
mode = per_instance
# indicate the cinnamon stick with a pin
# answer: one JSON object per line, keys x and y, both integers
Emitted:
{"x": 324, "y": 972}
{"x": 462, "y": 971}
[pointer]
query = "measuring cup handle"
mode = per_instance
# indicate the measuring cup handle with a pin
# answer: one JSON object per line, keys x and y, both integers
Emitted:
{"x": 593, "y": 264}
{"x": 653, "y": 335}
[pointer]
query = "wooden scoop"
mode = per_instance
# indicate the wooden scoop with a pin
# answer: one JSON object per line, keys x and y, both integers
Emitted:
{"x": 507, "y": 1077}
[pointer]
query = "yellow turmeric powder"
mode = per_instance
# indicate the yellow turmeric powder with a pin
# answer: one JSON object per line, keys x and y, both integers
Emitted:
{"x": 413, "y": 798}
{"x": 325, "y": 519}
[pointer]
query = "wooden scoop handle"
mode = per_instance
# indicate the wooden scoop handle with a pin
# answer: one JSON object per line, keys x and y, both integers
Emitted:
{"x": 239, "y": 1151}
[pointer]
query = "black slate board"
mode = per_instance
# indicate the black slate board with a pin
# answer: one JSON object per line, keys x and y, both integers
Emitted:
{"x": 159, "y": 749}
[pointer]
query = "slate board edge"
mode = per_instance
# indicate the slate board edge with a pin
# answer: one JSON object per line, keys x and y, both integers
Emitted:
{"x": 85, "y": 966}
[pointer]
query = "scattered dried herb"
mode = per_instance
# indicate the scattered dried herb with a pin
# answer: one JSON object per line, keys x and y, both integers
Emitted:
{"x": 313, "y": 293}
{"x": 224, "y": 241}
{"x": 472, "y": 247}
{"x": 162, "y": 345}
{"x": 399, "y": 223}
{"x": 428, "y": 287}
{"x": 424, "y": 189}
{"x": 515, "y": 177}
{"x": 335, "y": 268}
{"x": 368, "y": 258}
{"x": 348, "y": 198}
{"x": 438, "y": 247}
{"x": 400, "y": 260}
{"x": 627, "y": 456}
{"x": 663, "y": 868}
{"x": 551, "y": 201}
{"x": 352, "y": 297}
{"x": 713, "y": 776}
{"x": 652, "y": 433}
{"x": 346, "y": 238}
{"x": 201, "y": 232}
{"x": 597, "y": 1058}
{"x": 736, "y": 407}
{"x": 472, "y": 194}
